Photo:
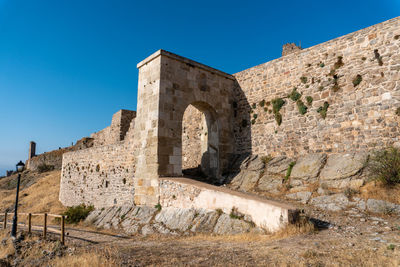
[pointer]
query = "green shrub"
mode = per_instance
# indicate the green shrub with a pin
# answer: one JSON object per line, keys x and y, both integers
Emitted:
{"x": 384, "y": 166}
{"x": 323, "y": 110}
{"x": 262, "y": 103}
{"x": 254, "y": 105}
{"x": 78, "y": 213}
{"x": 322, "y": 65}
{"x": 255, "y": 116}
{"x": 289, "y": 170}
{"x": 357, "y": 80}
{"x": 278, "y": 118}
{"x": 45, "y": 168}
{"x": 235, "y": 214}
{"x": 253, "y": 121}
{"x": 277, "y": 104}
{"x": 301, "y": 107}
{"x": 158, "y": 207}
{"x": 294, "y": 95}
{"x": 303, "y": 79}
{"x": 309, "y": 100}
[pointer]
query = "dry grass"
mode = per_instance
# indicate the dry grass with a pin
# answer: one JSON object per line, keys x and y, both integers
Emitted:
{"x": 41, "y": 197}
{"x": 377, "y": 190}
{"x": 86, "y": 259}
{"x": 8, "y": 249}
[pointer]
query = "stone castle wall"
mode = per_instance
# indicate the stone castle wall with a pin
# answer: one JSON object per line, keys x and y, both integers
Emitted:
{"x": 100, "y": 176}
{"x": 358, "y": 75}
{"x": 54, "y": 158}
{"x": 120, "y": 124}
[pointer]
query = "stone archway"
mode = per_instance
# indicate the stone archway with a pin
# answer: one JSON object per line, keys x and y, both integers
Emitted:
{"x": 200, "y": 141}
{"x": 168, "y": 84}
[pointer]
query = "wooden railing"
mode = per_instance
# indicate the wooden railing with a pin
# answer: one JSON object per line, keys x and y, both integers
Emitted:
{"x": 45, "y": 215}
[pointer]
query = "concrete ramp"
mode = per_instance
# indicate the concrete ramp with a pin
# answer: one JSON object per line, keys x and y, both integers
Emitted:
{"x": 188, "y": 193}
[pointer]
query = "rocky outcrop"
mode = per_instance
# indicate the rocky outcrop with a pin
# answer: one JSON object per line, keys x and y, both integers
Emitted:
{"x": 147, "y": 220}
{"x": 317, "y": 179}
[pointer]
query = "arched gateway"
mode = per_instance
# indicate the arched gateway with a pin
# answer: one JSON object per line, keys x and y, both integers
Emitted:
{"x": 168, "y": 84}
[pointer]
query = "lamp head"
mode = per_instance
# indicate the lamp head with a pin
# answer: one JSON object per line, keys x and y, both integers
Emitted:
{"x": 20, "y": 166}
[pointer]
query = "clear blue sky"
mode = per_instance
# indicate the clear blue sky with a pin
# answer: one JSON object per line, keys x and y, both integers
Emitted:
{"x": 66, "y": 66}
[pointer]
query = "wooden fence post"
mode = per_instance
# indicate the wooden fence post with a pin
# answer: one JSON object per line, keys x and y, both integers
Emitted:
{"x": 45, "y": 226}
{"x": 30, "y": 223}
{"x": 5, "y": 220}
{"x": 62, "y": 229}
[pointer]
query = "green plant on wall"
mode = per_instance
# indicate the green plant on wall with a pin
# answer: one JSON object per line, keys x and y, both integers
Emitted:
{"x": 277, "y": 104}
{"x": 255, "y": 116}
{"x": 323, "y": 110}
{"x": 278, "y": 118}
{"x": 322, "y": 64}
{"x": 301, "y": 107}
{"x": 254, "y": 105}
{"x": 357, "y": 80}
{"x": 253, "y": 121}
{"x": 294, "y": 95}
{"x": 262, "y": 103}
{"x": 309, "y": 100}
{"x": 303, "y": 79}
{"x": 339, "y": 63}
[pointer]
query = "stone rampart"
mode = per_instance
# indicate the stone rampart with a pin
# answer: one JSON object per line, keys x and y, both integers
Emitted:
{"x": 53, "y": 158}
{"x": 100, "y": 176}
{"x": 339, "y": 96}
{"x": 120, "y": 124}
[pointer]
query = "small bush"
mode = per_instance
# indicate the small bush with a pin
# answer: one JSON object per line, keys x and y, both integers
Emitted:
{"x": 294, "y": 95}
{"x": 357, "y": 80}
{"x": 301, "y": 107}
{"x": 322, "y": 65}
{"x": 254, "y": 105}
{"x": 262, "y": 103}
{"x": 303, "y": 79}
{"x": 266, "y": 159}
{"x": 78, "y": 213}
{"x": 278, "y": 118}
{"x": 255, "y": 116}
{"x": 158, "y": 207}
{"x": 323, "y": 110}
{"x": 277, "y": 104}
{"x": 384, "y": 166}
{"x": 253, "y": 121}
{"x": 235, "y": 214}
{"x": 219, "y": 211}
{"x": 309, "y": 100}
{"x": 45, "y": 168}
{"x": 289, "y": 170}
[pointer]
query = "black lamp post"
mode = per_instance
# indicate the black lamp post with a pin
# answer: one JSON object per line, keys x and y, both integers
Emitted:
{"x": 20, "y": 167}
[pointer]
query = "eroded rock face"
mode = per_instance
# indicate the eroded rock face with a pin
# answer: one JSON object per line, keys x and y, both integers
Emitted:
{"x": 303, "y": 197}
{"x": 381, "y": 206}
{"x": 307, "y": 168}
{"x": 341, "y": 166}
{"x": 333, "y": 202}
{"x": 169, "y": 220}
{"x": 227, "y": 225}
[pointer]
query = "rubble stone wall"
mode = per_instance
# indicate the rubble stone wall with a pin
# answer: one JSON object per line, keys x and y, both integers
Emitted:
{"x": 357, "y": 75}
{"x": 100, "y": 176}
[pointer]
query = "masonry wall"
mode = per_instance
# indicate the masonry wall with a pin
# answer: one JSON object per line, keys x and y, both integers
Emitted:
{"x": 54, "y": 158}
{"x": 194, "y": 133}
{"x": 100, "y": 176}
{"x": 362, "y": 109}
{"x": 120, "y": 124}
